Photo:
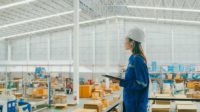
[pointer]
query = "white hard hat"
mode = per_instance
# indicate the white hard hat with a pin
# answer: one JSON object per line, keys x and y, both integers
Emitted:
{"x": 136, "y": 34}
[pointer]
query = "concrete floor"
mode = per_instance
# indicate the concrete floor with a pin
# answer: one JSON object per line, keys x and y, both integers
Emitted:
{"x": 84, "y": 100}
{"x": 72, "y": 108}
{"x": 67, "y": 109}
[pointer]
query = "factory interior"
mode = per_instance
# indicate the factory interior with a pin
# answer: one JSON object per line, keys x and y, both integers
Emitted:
{"x": 69, "y": 55}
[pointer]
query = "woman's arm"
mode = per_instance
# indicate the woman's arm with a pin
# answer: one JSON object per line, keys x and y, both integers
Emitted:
{"x": 141, "y": 72}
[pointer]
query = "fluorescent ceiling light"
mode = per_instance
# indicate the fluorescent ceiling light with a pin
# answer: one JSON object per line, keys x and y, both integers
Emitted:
{"x": 163, "y": 8}
{"x": 15, "y": 4}
{"x": 37, "y": 31}
{"x": 100, "y": 19}
{"x": 96, "y": 20}
{"x": 37, "y": 19}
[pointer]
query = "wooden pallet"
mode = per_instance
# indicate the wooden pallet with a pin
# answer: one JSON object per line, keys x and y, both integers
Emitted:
{"x": 60, "y": 105}
{"x": 160, "y": 108}
{"x": 162, "y": 101}
{"x": 72, "y": 104}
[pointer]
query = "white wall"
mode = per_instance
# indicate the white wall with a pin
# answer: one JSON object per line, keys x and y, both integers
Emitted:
{"x": 3, "y": 50}
{"x": 160, "y": 39}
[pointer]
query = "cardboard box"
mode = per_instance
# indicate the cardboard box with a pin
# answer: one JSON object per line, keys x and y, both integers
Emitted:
{"x": 169, "y": 76}
{"x": 186, "y": 108}
{"x": 189, "y": 95}
{"x": 60, "y": 99}
{"x": 97, "y": 87}
{"x": 108, "y": 91}
{"x": 191, "y": 84}
{"x": 162, "y": 101}
{"x": 95, "y": 95}
{"x": 163, "y": 95}
{"x": 178, "y": 76}
{"x": 97, "y": 105}
{"x": 39, "y": 92}
{"x": 180, "y": 96}
{"x": 105, "y": 103}
{"x": 18, "y": 95}
{"x": 184, "y": 103}
{"x": 115, "y": 87}
{"x": 103, "y": 86}
{"x": 1, "y": 86}
{"x": 85, "y": 110}
{"x": 85, "y": 91}
{"x": 196, "y": 94}
{"x": 160, "y": 108}
{"x": 197, "y": 87}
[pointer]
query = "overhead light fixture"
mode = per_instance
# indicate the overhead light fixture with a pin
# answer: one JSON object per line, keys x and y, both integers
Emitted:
{"x": 15, "y": 4}
{"x": 163, "y": 8}
{"x": 37, "y": 19}
{"x": 96, "y": 20}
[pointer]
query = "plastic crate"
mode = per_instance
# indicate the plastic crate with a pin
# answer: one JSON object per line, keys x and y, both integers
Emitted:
{"x": 11, "y": 106}
{"x": 1, "y": 108}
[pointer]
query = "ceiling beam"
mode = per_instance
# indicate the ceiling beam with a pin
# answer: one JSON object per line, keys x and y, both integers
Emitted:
{"x": 163, "y": 8}
{"x": 160, "y": 20}
{"x": 102, "y": 19}
{"x": 54, "y": 28}
{"x": 36, "y": 19}
{"x": 15, "y": 4}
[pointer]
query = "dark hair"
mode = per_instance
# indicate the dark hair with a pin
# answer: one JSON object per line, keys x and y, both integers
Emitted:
{"x": 137, "y": 49}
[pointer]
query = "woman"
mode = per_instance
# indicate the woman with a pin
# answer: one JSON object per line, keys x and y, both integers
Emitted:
{"x": 136, "y": 82}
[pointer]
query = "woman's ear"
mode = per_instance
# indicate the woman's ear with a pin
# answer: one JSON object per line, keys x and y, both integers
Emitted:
{"x": 132, "y": 44}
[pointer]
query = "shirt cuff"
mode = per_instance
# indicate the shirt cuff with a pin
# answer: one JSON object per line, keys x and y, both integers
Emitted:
{"x": 122, "y": 83}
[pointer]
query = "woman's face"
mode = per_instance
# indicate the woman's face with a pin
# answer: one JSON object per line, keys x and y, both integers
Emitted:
{"x": 128, "y": 44}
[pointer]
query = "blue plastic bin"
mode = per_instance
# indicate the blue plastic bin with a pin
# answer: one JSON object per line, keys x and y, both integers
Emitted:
{"x": 1, "y": 108}
{"x": 170, "y": 68}
{"x": 11, "y": 106}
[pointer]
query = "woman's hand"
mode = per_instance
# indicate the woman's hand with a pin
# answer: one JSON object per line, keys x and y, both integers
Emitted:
{"x": 115, "y": 81}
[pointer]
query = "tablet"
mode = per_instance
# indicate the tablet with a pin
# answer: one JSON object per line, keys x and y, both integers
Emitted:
{"x": 112, "y": 77}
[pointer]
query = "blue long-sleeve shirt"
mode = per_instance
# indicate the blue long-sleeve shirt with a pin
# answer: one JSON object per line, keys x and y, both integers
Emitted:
{"x": 136, "y": 85}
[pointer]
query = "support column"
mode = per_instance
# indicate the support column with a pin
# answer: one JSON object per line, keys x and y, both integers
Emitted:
{"x": 49, "y": 48}
{"x": 48, "y": 71}
{"x": 107, "y": 54}
{"x": 145, "y": 42}
{"x": 76, "y": 51}
{"x": 94, "y": 50}
{"x": 27, "y": 50}
{"x": 71, "y": 53}
{"x": 8, "y": 62}
{"x": 118, "y": 42}
{"x": 9, "y": 51}
{"x": 172, "y": 47}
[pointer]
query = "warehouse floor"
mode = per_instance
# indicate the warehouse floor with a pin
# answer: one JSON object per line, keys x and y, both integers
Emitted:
{"x": 72, "y": 108}
{"x": 67, "y": 109}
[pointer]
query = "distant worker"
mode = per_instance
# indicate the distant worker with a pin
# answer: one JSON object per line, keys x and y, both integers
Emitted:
{"x": 136, "y": 82}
